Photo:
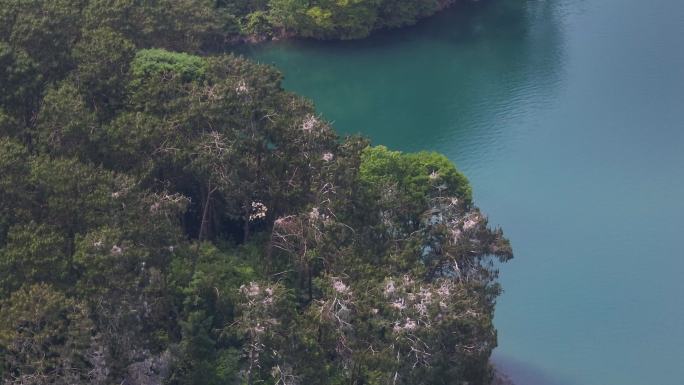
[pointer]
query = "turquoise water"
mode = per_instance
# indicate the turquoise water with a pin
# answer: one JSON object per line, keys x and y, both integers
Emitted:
{"x": 568, "y": 117}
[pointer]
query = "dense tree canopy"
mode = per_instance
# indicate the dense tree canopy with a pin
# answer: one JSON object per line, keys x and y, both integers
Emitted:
{"x": 198, "y": 24}
{"x": 177, "y": 218}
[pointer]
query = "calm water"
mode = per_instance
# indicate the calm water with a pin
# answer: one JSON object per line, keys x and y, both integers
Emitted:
{"x": 568, "y": 117}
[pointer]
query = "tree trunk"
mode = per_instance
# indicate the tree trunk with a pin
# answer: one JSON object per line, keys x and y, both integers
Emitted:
{"x": 204, "y": 226}
{"x": 310, "y": 273}
{"x": 245, "y": 228}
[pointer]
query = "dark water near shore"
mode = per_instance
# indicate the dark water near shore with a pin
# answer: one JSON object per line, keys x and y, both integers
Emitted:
{"x": 568, "y": 118}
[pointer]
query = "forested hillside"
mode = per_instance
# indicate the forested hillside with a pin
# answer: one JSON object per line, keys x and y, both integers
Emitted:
{"x": 220, "y": 21}
{"x": 173, "y": 217}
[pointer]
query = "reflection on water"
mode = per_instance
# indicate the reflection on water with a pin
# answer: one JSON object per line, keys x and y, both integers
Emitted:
{"x": 524, "y": 373}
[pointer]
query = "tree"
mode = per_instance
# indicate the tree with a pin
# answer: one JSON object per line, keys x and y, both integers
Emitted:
{"x": 65, "y": 125}
{"x": 103, "y": 57}
{"x": 173, "y": 217}
{"x": 13, "y": 193}
{"x": 45, "y": 30}
{"x": 34, "y": 253}
{"x": 209, "y": 294}
{"x": 20, "y": 85}
{"x": 46, "y": 337}
{"x": 179, "y": 25}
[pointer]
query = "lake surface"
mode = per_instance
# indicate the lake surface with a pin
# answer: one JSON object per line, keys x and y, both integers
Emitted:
{"x": 568, "y": 118}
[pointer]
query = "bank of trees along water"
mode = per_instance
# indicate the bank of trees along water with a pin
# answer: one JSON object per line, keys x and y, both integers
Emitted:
{"x": 162, "y": 22}
{"x": 180, "y": 219}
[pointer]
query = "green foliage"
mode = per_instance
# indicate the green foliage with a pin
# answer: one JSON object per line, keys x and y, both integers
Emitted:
{"x": 69, "y": 195}
{"x": 403, "y": 185}
{"x": 103, "y": 56}
{"x": 285, "y": 14}
{"x": 414, "y": 175}
{"x": 65, "y": 124}
{"x": 341, "y": 19}
{"x": 158, "y": 79}
{"x": 159, "y": 62}
{"x": 46, "y": 336}
{"x": 13, "y": 169}
{"x": 44, "y": 29}
{"x": 168, "y": 216}
{"x": 33, "y": 253}
{"x": 327, "y": 19}
{"x": 348, "y": 19}
{"x": 20, "y": 79}
{"x": 257, "y": 23}
{"x": 181, "y": 25}
{"x": 209, "y": 298}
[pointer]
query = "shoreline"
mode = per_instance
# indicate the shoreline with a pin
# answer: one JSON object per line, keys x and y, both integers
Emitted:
{"x": 287, "y": 35}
